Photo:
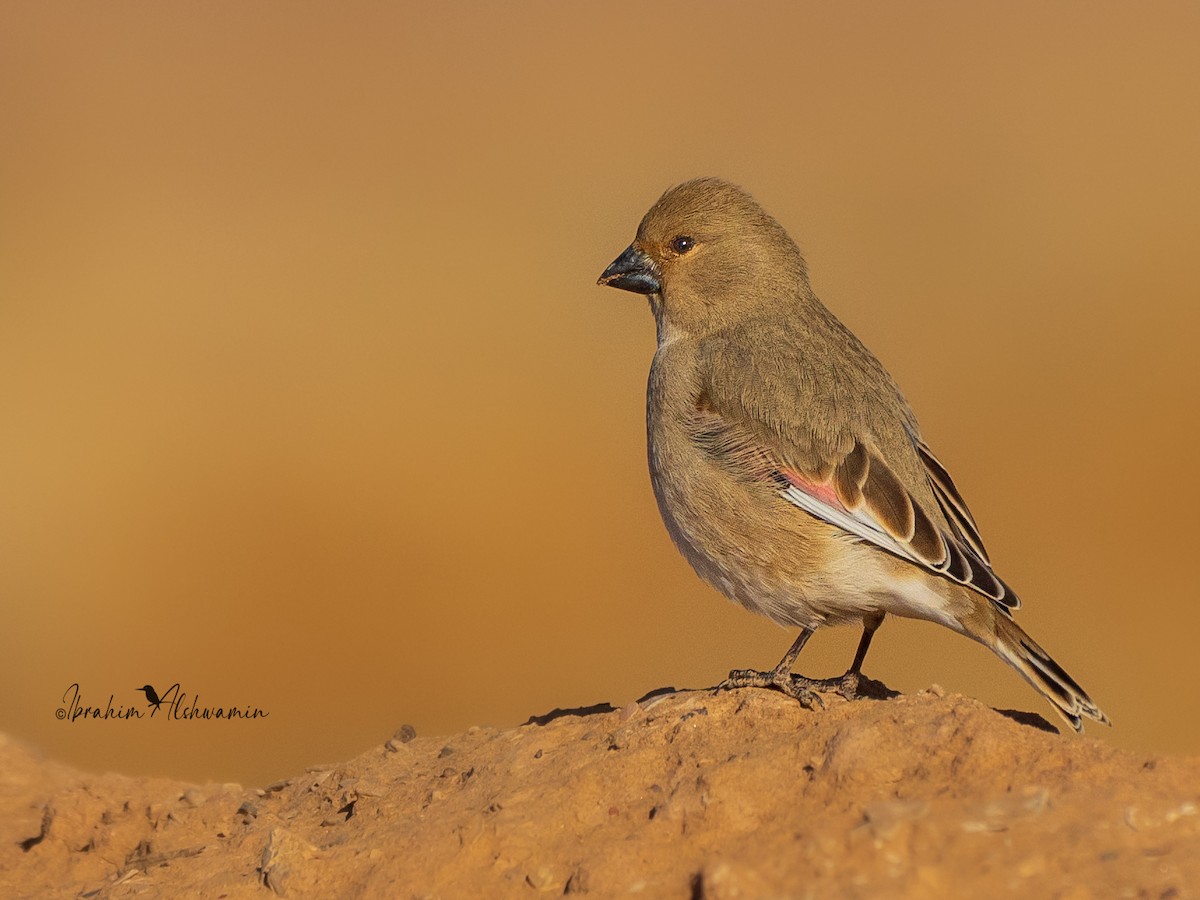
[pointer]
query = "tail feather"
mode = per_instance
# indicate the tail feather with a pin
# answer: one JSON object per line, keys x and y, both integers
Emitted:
{"x": 1037, "y": 667}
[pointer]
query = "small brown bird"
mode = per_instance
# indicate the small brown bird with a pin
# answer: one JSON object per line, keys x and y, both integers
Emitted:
{"x": 788, "y": 468}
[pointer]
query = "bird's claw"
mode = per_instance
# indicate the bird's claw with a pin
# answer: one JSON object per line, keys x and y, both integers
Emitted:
{"x": 795, "y": 686}
{"x": 806, "y": 697}
{"x": 848, "y": 686}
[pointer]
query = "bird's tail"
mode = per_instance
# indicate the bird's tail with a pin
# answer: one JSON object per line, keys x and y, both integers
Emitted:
{"x": 1037, "y": 667}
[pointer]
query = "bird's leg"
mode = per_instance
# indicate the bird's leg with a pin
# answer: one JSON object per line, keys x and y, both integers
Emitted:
{"x": 847, "y": 685}
{"x": 780, "y": 677}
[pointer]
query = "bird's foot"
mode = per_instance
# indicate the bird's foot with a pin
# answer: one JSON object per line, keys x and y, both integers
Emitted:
{"x": 844, "y": 685}
{"x": 795, "y": 686}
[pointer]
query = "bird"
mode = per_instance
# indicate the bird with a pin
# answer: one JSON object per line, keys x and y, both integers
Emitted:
{"x": 788, "y": 468}
{"x": 151, "y": 696}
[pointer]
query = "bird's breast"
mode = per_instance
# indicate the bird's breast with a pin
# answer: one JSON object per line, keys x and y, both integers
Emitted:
{"x": 721, "y": 524}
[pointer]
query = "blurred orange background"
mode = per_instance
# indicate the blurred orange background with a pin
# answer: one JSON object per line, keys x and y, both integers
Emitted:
{"x": 309, "y": 401}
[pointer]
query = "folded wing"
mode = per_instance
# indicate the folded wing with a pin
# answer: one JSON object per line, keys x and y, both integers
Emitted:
{"x": 857, "y": 492}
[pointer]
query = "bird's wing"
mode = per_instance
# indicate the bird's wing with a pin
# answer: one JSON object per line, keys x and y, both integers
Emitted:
{"x": 844, "y": 479}
{"x": 865, "y": 497}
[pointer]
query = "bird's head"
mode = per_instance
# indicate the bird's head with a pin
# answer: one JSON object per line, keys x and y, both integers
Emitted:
{"x": 707, "y": 255}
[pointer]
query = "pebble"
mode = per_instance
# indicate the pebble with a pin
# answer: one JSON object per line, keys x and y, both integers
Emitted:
{"x": 403, "y": 735}
{"x": 542, "y": 880}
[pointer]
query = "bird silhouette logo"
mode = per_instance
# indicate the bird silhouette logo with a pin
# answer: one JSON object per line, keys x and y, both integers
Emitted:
{"x": 151, "y": 695}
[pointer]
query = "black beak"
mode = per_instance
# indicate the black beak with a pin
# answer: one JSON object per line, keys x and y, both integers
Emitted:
{"x": 633, "y": 271}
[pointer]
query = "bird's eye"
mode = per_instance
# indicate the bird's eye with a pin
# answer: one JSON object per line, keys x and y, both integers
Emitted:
{"x": 682, "y": 244}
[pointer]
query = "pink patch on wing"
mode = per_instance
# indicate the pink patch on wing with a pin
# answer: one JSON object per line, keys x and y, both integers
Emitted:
{"x": 826, "y": 493}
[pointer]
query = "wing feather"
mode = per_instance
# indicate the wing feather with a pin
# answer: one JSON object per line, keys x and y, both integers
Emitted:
{"x": 860, "y": 494}
{"x": 951, "y": 501}
{"x": 888, "y": 503}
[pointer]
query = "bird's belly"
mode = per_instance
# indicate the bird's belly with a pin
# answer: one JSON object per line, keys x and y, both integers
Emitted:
{"x": 774, "y": 559}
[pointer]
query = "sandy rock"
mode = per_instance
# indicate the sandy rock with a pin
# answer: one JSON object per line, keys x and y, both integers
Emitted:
{"x": 739, "y": 794}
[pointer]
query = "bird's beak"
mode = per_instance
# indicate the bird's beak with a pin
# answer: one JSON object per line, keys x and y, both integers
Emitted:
{"x": 633, "y": 271}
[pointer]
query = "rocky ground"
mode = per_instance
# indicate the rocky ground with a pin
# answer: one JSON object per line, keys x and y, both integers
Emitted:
{"x": 689, "y": 795}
